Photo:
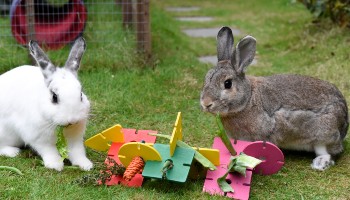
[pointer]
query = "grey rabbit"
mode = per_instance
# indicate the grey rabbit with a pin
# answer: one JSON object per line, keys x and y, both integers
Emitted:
{"x": 294, "y": 112}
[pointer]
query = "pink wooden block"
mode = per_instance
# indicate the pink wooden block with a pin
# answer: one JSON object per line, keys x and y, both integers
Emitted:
{"x": 239, "y": 183}
{"x": 271, "y": 156}
{"x": 273, "y": 161}
{"x": 130, "y": 135}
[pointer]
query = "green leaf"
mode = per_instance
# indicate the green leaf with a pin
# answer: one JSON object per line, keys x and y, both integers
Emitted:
{"x": 237, "y": 164}
{"x": 61, "y": 143}
{"x": 225, "y": 187}
{"x": 224, "y": 137}
{"x": 247, "y": 161}
{"x": 198, "y": 156}
{"x": 17, "y": 171}
{"x": 239, "y": 169}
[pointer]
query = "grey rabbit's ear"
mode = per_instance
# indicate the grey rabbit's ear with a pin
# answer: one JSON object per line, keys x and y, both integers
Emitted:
{"x": 42, "y": 60}
{"x": 75, "y": 55}
{"x": 224, "y": 44}
{"x": 244, "y": 54}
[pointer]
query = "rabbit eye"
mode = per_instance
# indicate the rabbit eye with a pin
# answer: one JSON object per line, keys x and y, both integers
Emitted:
{"x": 81, "y": 96}
{"x": 228, "y": 84}
{"x": 54, "y": 98}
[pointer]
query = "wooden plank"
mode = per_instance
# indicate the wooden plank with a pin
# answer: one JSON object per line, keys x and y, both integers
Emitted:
{"x": 127, "y": 13}
{"x": 143, "y": 29}
{"x": 30, "y": 21}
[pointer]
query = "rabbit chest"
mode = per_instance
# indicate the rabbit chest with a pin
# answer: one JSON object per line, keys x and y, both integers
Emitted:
{"x": 250, "y": 124}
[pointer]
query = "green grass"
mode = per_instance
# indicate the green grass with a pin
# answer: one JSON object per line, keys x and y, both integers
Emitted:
{"x": 122, "y": 91}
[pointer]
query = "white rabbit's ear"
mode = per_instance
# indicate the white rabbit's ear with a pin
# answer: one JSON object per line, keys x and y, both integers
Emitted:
{"x": 42, "y": 60}
{"x": 224, "y": 43}
{"x": 75, "y": 55}
{"x": 244, "y": 53}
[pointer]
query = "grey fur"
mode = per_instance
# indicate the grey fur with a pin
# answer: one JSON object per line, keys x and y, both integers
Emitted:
{"x": 225, "y": 43}
{"x": 292, "y": 111}
{"x": 75, "y": 55}
{"x": 42, "y": 60}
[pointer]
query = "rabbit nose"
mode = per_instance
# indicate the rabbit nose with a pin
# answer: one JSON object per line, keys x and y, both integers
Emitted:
{"x": 207, "y": 103}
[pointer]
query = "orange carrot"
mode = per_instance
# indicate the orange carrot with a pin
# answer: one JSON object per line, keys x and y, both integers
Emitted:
{"x": 136, "y": 165}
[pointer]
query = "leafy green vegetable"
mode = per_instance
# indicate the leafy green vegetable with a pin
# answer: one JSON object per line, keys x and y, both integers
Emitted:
{"x": 246, "y": 161}
{"x": 61, "y": 143}
{"x": 198, "y": 156}
{"x": 225, "y": 187}
{"x": 238, "y": 164}
{"x": 11, "y": 169}
{"x": 224, "y": 137}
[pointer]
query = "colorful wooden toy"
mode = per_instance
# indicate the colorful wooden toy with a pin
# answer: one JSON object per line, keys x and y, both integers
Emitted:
{"x": 126, "y": 144}
{"x": 181, "y": 157}
{"x": 100, "y": 141}
{"x": 272, "y": 161}
{"x": 113, "y": 139}
{"x": 138, "y": 151}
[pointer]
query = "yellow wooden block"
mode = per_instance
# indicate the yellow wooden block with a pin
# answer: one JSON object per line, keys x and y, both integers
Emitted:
{"x": 132, "y": 149}
{"x": 98, "y": 142}
{"x": 177, "y": 134}
{"x": 114, "y": 134}
{"x": 213, "y": 155}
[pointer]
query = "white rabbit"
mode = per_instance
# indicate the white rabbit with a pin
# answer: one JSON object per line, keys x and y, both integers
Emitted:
{"x": 292, "y": 111}
{"x": 35, "y": 100}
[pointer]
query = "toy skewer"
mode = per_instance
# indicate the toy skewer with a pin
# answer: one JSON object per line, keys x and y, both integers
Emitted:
{"x": 168, "y": 164}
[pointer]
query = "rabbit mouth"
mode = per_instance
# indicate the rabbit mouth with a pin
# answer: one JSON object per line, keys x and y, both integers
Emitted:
{"x": 68, "y": 123}
{"x": 215, "y": 110}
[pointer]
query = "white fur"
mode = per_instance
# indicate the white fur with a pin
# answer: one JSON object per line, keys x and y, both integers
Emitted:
{"x": 323, "y": 159}
{"x": 29, "y": 117}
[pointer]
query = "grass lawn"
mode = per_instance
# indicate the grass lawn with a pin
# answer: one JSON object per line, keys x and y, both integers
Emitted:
{"x": 121, "y": 91}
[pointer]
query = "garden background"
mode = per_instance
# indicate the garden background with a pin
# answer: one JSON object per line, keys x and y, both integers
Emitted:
{"x": 125, "y": 90}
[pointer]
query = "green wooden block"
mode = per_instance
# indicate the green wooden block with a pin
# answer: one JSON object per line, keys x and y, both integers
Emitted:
{"x": 182, "y": 160}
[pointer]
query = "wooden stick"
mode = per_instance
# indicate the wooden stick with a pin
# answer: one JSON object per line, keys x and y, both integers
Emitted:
{"x": 30, "y": 20}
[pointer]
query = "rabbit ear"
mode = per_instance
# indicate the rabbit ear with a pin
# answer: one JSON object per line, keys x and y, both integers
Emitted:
{"x": 75, "y": 55}
{"x": 224, "y": 44}
{"x": 42, "y": 60}
{"x": 244, "y": 53}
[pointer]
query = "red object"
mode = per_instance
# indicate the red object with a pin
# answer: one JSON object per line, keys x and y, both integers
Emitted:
{"x": 130, "y": 135}
{"x": 54, "y": 26}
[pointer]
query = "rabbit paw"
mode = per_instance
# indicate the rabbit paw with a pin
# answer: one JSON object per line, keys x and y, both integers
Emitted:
{"x": 56, "y": 164}
{"x": 322, "y": 162}
{"x": 9, "y": 151}
{"x": 84, "y": 163}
